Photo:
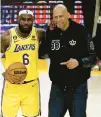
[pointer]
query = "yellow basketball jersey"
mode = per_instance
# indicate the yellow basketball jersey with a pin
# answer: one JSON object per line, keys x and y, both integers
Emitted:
{"x": 24, "y": 50}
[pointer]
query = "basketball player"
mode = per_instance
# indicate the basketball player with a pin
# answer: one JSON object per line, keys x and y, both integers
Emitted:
{"x": 20, "y": 44}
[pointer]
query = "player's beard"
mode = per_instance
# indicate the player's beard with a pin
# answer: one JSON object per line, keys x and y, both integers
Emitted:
{"x": 25, "y": 30}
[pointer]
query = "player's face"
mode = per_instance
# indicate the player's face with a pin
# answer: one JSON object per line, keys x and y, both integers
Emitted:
{"x": 25, "y": 23}
{"x": 60, "y": 17}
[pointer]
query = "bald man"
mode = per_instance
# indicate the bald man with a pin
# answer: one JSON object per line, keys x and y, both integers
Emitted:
{"x": 20, "y": 44}
{"x": 72, "y": 55}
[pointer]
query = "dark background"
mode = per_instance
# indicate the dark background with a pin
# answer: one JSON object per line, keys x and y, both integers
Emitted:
{"x": 88, "y": 9}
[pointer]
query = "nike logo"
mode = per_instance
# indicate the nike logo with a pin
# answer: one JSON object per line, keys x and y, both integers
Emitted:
{"x": 16, "y": 41}
{"x": 33, "y": 39}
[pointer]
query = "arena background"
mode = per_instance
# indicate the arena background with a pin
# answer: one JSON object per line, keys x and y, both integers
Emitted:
{"x": 42, "y": 10}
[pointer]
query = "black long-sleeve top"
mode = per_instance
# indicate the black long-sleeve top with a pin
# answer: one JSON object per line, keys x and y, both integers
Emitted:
{"x": 60, "y": 46}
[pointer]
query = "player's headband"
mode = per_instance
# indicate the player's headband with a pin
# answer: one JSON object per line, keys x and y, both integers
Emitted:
{"x": 25, "y": 12}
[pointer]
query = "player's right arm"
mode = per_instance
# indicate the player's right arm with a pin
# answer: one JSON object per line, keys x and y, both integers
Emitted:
{"x": 5, "y": 41}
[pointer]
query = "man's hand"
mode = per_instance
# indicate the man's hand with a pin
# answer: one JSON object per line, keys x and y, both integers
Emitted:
{"x": 12, "y": 79}
{"x": 5, "y": 75}
{"x": 71, "y": 63}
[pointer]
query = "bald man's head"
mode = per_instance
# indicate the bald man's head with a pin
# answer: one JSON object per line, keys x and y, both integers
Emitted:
{"x": 61, "y": 16}
{"x": 60, "y": 6}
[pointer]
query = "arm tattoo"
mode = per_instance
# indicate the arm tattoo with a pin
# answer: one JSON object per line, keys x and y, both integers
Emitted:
{"x": 4, "y": 42}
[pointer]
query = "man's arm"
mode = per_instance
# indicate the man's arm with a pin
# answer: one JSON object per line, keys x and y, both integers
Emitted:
{"x": 90, "y": 60}
{"x": 97, "y": 44}
{"x": 42, "y": 44}
{"x": 41, "y": 34}
{"x": 5, "y": 42}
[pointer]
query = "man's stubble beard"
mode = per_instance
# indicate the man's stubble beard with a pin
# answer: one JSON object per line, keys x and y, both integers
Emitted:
{"x": 24, "y": 30}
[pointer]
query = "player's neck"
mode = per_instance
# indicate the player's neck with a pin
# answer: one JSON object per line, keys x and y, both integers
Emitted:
{"x": 23, "y": 35}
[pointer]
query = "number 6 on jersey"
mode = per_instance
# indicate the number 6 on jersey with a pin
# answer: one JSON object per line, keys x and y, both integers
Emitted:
{"x": 25, "y": 59}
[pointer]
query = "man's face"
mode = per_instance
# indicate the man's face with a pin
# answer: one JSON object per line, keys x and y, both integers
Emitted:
{"x": 60, "y": 17}
{"x": 25, "y": 23}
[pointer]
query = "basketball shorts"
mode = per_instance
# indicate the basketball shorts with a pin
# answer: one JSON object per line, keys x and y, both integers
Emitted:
{"x": 26, "y": 96}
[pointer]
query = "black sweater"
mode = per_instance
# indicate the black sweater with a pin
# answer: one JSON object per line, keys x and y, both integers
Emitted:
{"x": 63, "y": 45}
